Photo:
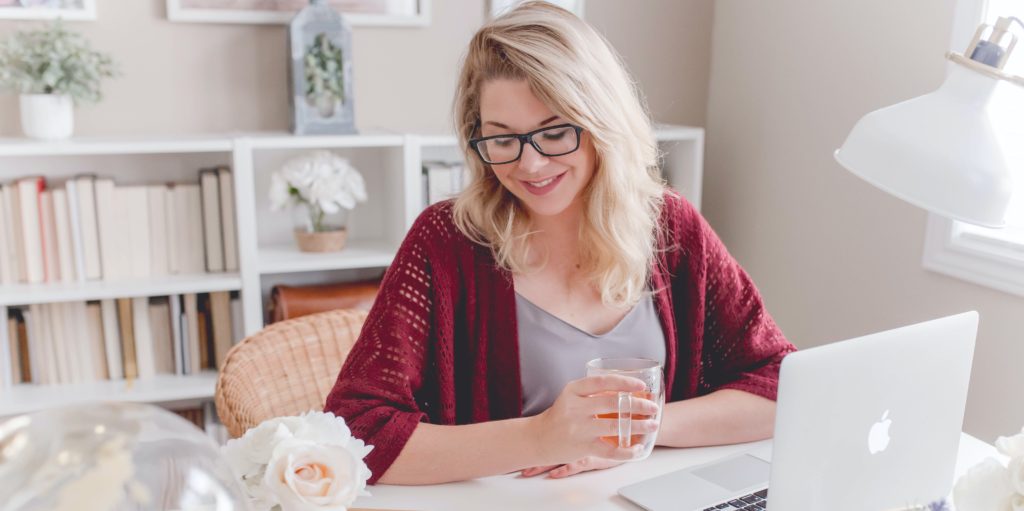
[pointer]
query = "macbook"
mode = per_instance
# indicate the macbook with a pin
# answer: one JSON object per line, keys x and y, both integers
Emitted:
{"x": 871, "y": 423}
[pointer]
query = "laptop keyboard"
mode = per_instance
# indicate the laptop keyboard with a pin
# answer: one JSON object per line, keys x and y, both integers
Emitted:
{"x": 754, "y": 502}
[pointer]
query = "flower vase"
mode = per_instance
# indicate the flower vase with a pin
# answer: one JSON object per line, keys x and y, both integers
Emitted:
{"x": 47, "y": 116}
{"x": 319, "y": 231}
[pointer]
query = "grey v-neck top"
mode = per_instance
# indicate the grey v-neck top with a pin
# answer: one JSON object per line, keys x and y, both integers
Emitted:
{"x": 552, "y": 352}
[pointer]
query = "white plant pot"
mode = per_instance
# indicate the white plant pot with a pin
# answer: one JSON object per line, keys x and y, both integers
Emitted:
{"x": 47, "y": 116}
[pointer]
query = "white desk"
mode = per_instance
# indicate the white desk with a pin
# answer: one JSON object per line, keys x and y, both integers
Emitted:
{"x": 591, "y": 490}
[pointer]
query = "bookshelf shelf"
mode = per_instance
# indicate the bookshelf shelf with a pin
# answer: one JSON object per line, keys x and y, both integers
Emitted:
{"x": 28, "y": 294}
{"x": 160, "y": 389}
{"x": 115, "y": 146}
{"x": 286, "y": 258}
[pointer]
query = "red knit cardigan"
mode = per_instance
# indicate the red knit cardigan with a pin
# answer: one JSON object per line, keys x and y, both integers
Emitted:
{"x": 440, "y": 344}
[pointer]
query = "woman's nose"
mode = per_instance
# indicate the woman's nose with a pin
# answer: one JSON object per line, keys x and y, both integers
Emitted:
{"x": 531, "y": 160}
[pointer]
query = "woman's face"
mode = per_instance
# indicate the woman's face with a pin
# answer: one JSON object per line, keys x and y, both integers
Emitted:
{"x": 547, "y": 186}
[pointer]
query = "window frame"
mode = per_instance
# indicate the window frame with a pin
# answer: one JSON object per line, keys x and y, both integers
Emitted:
{"x": 987, "y": 260}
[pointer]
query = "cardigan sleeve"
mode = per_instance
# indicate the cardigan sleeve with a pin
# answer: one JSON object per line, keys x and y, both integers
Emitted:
{"x": 377, "y": 388}
{"x": 742, "y": 347}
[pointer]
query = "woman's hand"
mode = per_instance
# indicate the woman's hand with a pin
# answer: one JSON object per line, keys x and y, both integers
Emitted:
{"x": 570, "y": 431}
{"x": 570, "y": 469}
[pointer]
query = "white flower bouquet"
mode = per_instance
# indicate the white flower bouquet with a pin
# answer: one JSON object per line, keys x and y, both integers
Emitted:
{"x": 309, "y": 462}
{"x": 992, "y": 486}
{"x": 325, "y": 182}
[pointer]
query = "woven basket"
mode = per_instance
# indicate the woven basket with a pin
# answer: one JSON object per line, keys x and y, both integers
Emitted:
{"x": 285, "y": 369}
{"x": 321, "y": 241}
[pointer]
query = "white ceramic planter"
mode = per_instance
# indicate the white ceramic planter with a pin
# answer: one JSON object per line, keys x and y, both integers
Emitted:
{"x": 47, "y": 116}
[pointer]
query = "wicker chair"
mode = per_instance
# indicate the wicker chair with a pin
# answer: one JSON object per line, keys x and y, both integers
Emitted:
{"x": 285, "y": 369}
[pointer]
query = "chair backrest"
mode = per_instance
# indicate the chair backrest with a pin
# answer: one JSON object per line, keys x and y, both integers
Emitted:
{"x": 285, "y": 369}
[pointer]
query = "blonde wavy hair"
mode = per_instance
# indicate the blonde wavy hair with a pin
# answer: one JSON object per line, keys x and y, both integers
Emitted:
{"x": 575, "y": 72}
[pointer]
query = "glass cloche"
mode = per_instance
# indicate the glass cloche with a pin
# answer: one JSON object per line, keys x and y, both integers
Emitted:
{"x": 112, "y": 456}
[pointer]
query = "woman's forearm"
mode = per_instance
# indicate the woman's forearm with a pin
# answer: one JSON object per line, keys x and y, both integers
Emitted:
{"x": 441, "y": 454}
{"x": 722, "y": 417}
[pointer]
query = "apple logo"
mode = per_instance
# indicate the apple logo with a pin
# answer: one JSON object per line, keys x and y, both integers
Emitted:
{"x": 878, "y": 438}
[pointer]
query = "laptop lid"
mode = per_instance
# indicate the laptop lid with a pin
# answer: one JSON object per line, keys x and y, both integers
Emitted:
{"x": 873, "y": 422}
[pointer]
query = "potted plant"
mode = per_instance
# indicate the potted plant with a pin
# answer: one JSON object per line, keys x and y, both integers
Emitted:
{"x": 52, "y": 69}
{"x": 325, "y": 86}
{"x": 321, "y": 188}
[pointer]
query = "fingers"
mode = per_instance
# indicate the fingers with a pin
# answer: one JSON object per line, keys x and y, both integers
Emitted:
{"x": 591, "y": 385}
{"x": 610, "y": 427}
{"x": 583, "y": 465}
{"x": 611, "y": 452}
{"x": 610, "y": 404}
{"x": 534, "y": 471}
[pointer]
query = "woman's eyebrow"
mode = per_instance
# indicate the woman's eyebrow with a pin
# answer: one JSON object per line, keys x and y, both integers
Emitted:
{"x": 502, "y": 126}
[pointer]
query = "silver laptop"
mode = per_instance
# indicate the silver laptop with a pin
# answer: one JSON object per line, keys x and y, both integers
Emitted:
{"x": 872, "y": 423}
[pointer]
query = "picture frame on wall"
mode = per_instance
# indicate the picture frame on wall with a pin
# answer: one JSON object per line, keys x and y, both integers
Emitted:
{"x": 70, "y": 10}
{"x": 382, "y": 13}
{"x": 499, "y": 7}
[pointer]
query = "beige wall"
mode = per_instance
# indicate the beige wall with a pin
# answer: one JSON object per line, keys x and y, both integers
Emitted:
{"x": 188, "y": 78}
{"x": 835, "y": 257}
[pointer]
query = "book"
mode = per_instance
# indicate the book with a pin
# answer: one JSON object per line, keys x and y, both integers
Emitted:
{"x": 17, "y": 231}
{"x": 192, "y": 327}
{"x": 171, "y": 229}
{"x": 220, "y": 319}
{"x": 65, "y": 246}
{"x": 133, "y": 202}
{"x": 213, "y": 236}
{"x": 97, "y": 343}
{"x": 53, "y": 328}
{"x": 48, "y": 225}
{"x": 127, "y": 329}
{"x": 78, "y": 343}
{"x": 189, "y": 235}
{"x": 112, "y": 339}
{"x": 107, "y": 221}
{"x": 75, "y": 227}
{"x": 31, "y": 228}
{"x": 5, "y": 260}
{"x": 14, "y": 353}
{"x": 163, "y": 343}
{"x": 158, "y": 234}
{"x": 227, "y": 217}
{"x": 205, "y": 328}
{"x": 177, "y": 334}
{"x": 85, "y": 188}
{"x": 9, "y": 243}
{"x": 237, "y": 320}
{"x": 37, "y": 352}
{"x": 145, "y": 357}
{"x": 23, "y": 345}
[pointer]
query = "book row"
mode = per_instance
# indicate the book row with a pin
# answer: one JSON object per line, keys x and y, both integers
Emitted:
{"x": 89, "y": 228}
{"x": 124, "y": 338}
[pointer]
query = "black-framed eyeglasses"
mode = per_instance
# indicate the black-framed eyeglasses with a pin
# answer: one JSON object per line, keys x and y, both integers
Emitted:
{"x": 550, "y": 141}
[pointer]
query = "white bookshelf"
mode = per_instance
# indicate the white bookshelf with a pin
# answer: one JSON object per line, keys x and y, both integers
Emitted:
{"x": 390, "y": 163}
{"x": 162, "y": 389}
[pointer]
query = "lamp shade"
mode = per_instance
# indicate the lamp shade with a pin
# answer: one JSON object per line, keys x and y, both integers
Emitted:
{"x": 948, "y": 151}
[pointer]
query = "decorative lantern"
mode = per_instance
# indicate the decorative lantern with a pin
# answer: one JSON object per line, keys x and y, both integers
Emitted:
{"x": 320, "y": 46}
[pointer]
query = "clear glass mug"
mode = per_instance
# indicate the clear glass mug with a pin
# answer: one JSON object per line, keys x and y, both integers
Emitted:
{"x": 646, "y": 370}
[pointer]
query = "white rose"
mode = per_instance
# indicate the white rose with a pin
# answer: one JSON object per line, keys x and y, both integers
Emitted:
{"x": 985, "y": 487}
{"x": 305, "y": 476}
{"x": 280, "y": 195}
{"x": 1012, "y": 446}
{"x": 1016, "y": 468}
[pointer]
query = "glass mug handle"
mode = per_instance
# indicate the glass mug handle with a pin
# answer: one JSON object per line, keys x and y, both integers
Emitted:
{"x": 625, "y": 408}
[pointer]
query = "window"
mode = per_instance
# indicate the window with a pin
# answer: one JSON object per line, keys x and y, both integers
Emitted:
{"x": 991, "y": 257}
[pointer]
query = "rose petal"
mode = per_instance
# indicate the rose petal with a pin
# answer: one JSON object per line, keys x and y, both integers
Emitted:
{"x": 1012, "y": 446}
{"x": 985, "y": 487}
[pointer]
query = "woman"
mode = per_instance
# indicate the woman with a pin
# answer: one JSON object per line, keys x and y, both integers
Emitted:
{"x": 565, "y": 246}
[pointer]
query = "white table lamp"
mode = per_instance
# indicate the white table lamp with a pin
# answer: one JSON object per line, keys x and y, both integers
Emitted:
{"x": 952, "y": 151}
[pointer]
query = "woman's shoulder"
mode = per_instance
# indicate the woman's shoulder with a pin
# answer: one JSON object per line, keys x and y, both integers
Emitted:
{"x": 678, "y": 216}
{"x": 435, "y": 227}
